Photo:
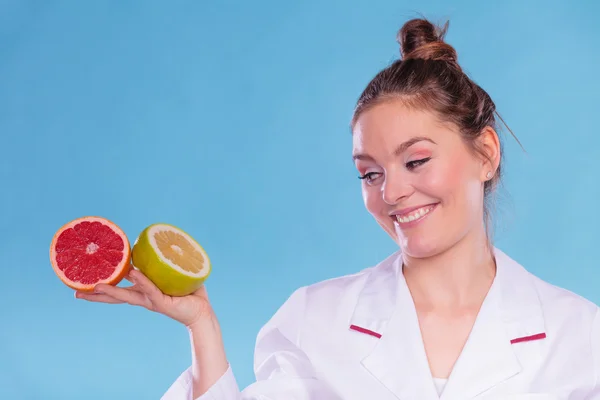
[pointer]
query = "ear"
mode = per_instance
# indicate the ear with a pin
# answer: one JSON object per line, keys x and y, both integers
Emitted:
{"x": 489, "y": 143}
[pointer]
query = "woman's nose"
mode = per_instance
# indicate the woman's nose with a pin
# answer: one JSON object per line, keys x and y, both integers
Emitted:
{"x": 395, "y": 188}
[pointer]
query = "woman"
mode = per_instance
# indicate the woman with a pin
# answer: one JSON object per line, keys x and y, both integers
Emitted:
{"x": 448, "y": 316}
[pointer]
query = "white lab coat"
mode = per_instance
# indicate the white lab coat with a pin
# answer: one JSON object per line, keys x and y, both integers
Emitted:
{"x": 357, "y": 337}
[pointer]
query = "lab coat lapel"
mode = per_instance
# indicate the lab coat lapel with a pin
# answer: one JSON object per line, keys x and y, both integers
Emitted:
{"x": 510, "y": 315}
{"x": 385, "y": 311}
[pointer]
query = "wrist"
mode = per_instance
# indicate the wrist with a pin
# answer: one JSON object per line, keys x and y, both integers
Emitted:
{"x": 207, "y": 324}
{"x": 208, "y": 351}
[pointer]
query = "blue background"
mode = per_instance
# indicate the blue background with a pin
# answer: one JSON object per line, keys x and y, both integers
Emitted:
{"x": 230, "y": 119}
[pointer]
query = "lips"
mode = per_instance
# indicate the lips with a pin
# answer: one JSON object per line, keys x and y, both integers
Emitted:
{"x": 413, "y": 214}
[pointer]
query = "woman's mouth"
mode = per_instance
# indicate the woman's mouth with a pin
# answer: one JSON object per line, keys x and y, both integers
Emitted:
{"x": 414, "y": 216}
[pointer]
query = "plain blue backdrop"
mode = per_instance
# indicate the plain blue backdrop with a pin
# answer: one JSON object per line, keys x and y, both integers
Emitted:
{"x": 230, "y": 120}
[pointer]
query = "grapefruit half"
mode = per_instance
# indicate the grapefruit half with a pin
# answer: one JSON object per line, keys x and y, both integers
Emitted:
{"x": 171, "y": 259}
{"x": 88, "y": 251}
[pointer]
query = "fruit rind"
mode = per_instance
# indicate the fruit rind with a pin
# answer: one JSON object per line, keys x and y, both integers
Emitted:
{"x": 148, "y": 260}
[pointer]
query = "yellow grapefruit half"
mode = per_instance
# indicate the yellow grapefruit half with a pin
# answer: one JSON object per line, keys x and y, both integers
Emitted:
{"x": 88, "y": 251}
{"x": 171, "y": 259}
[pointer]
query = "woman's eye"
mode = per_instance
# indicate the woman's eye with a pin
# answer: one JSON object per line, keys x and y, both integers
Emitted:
{"x": 416, "y": 163}
{"x": 369, "y": 176}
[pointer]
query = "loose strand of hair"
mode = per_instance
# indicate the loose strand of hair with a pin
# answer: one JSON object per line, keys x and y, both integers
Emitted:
{"x": 510, "y": 130}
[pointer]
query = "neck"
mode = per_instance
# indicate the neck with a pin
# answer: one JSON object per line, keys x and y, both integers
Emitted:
{"x": 460, "y": 277}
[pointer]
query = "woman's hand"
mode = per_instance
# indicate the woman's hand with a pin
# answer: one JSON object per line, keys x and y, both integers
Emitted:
{"x": 188, "y": 310}
{"x": 194, "y": 311}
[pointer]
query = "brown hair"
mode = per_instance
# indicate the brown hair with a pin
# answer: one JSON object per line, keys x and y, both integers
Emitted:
{"x": 428, "y": 76}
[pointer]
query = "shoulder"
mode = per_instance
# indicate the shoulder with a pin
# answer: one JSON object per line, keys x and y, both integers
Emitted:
{"x": 325, "y": 301}
{"x": 571, "y": 324}
{"x": 559, "y": 303}
{"x": 570, "y": 318}
{"x": 574, "y": 319}
{"x": 336, "y": 299}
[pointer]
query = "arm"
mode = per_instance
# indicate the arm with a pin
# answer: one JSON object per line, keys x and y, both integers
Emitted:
{"x": 595, "y": 393}
{"x": 209, "y": 361}
{"x": 283, "y": 371}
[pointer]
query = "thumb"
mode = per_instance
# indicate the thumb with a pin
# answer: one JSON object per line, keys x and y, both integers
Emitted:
{"x": 201, "y": 292}
{"x": 146, "y": 286}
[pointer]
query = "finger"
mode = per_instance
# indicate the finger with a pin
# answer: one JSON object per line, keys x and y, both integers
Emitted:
{"x": 136, "y": 287}
{"x": 128, "y": 276}
{"x": 145, "y": 285}
{"x": 201, "y": 291}
{"x": 125, "y": 295}
{"x": 97, "y": 298}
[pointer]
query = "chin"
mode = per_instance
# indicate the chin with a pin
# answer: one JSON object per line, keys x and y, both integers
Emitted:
{"x": 419, "y": 246}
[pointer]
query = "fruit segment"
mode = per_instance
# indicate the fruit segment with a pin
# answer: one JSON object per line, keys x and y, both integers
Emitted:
{"x": 179, "y": 251}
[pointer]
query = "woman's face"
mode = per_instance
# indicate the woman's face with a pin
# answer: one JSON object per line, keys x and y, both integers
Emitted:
{"x": 421, "y": 182}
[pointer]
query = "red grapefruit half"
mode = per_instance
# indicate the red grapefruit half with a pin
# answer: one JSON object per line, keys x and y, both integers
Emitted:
{"x": 88, "y": 251}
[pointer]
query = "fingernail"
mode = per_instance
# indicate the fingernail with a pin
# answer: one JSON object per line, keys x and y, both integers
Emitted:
{"x": 98, "y": 290}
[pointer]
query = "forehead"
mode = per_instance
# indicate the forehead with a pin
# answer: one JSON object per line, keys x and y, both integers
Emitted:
{"x": 390, "y": 123}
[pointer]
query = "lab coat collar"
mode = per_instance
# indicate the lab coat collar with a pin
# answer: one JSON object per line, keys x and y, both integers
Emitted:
{"x": 511, "y": 315}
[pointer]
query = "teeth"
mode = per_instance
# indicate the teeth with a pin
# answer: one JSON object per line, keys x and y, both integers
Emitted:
{"x": 416, "y": 214}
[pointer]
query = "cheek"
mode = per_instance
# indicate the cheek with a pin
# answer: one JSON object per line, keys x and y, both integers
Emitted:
{"x": 372, "y": 199}
{"x": 446, "y": 181}
{"x": 455, "y": 185}
{"x": 439, "y": 182}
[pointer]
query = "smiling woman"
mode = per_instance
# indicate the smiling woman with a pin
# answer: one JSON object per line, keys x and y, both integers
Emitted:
{"x": 420, "y": 175}
{"x": 448, "y": 315}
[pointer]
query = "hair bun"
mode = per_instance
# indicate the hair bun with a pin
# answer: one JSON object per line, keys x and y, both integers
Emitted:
{"x": 419, "y": 38}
